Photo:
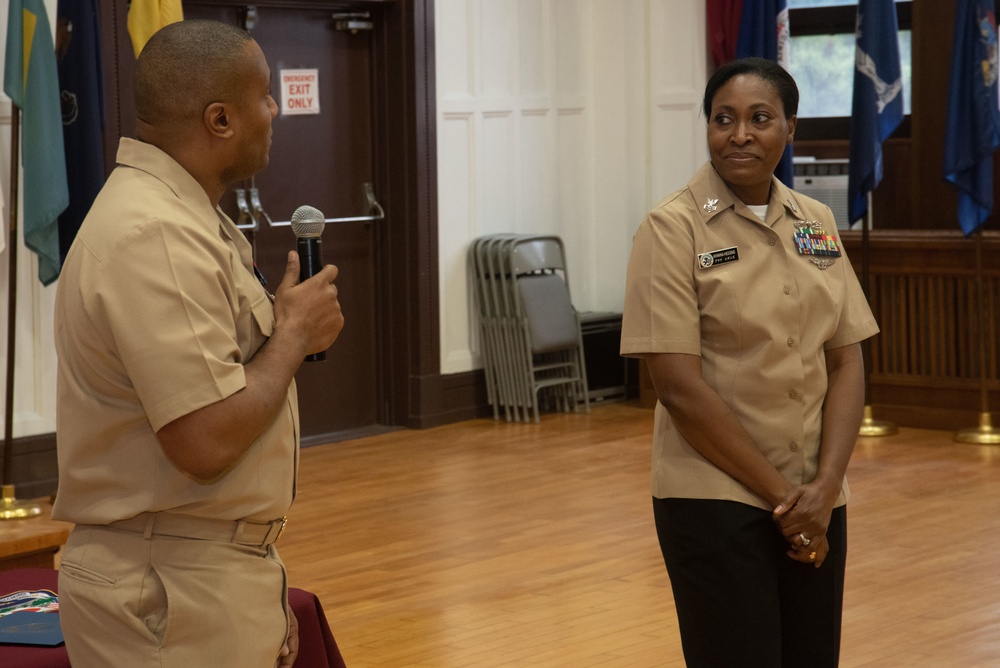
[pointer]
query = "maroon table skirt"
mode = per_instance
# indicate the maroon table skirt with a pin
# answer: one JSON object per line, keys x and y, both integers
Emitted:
{"x": 317, "y": 648}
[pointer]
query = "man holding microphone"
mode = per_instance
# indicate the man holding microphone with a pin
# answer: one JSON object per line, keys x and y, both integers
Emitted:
{"x": 177, "y": 417}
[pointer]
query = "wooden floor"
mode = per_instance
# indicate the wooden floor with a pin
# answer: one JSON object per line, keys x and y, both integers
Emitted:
{"x": 495, "y": 544}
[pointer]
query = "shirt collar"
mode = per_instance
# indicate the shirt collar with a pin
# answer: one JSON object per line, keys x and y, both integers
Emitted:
{"x": 713, "y": 196}
{"x": 158, "y": 164}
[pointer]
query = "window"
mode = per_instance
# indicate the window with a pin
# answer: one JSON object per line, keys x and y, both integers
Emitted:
{"x": 821, "y": 58}
{"x": 823, "y": 66}
{"x": 796, "y": 4}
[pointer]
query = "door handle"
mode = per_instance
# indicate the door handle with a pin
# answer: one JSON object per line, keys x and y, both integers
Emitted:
{"x": 246, "y": 220}
{"x": 257, "y": 210}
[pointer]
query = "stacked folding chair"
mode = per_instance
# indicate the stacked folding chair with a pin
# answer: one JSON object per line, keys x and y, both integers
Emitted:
{"x": 530, "y": 332}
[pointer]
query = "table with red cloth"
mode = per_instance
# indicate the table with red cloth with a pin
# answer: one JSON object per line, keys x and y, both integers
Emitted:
{"x": 317, "y": 648}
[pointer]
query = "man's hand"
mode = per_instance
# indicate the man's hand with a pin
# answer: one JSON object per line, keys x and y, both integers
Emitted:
{"x": 290, "y": 649}
{"x": 206, "y": 442}
{"x": 308, "y": 312}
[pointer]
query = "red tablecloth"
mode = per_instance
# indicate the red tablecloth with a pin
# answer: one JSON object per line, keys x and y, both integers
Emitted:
{"x": 317, "y": 648}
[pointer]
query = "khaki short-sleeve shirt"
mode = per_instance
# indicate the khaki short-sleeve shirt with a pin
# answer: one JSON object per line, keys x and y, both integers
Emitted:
{"x": 157, "y": 311}
{"x": 706, "y": 277}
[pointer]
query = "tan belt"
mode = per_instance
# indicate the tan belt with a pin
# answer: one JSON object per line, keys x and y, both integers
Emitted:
{"x": 241, "y": 532}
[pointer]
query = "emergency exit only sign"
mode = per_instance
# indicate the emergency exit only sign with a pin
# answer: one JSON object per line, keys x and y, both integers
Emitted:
{"x": 299, "y": 92}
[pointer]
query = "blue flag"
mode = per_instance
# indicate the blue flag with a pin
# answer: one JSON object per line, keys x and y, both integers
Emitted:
{"x": 877, "y": 108}
{"x": 79, "y": 58}
{"x": 30, "y": 81}
{"x": 764, "y": 33}
{"x": 973, "y": 130}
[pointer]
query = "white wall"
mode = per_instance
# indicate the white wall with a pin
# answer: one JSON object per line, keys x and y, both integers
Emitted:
{"x": 35, "y": 365}
{"x": 567, "y": 117}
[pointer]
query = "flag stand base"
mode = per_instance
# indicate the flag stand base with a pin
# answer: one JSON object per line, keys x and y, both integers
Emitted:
{"x": 12, "y": 509}
{"x": 873, "y": 427}
{"x": 984, "y": 434}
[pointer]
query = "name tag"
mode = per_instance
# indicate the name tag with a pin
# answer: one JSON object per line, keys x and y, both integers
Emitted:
{"x": 721, "y": 256}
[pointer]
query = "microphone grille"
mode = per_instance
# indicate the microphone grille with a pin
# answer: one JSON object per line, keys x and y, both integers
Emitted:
{"x": 308, "y": 222}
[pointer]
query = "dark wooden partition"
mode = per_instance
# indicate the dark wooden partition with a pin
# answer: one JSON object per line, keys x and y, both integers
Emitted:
{"x": 927, "y": 369}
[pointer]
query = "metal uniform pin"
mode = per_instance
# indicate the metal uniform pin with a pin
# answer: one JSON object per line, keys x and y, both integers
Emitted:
{"x": 711, "y": 205}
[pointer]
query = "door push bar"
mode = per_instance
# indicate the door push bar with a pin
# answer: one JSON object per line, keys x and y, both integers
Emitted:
{"x": 254, "y": 211}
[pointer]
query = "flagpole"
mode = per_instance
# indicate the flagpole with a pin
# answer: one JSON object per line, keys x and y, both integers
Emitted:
{"x": 984, "y": 434}
{"x": 10, "y": 507}
{"x": 869, "y": 425}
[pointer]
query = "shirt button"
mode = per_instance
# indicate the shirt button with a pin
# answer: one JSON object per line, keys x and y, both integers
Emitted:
{"x": 792, "y": 394}
{"x": 787, "y": 290}
{"x": 791, "y": 342}
{"x": 793, "y": 446}
{"x": 771, "y": 242}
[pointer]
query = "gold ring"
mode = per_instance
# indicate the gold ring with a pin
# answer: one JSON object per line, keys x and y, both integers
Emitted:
{"x": 812, "y": 556}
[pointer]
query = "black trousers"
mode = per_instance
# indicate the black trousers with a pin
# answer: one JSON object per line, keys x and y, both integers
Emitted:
{"x": 741, "y": 601}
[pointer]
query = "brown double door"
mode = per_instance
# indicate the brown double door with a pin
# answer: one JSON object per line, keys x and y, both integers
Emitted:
{"x": 324, "y": 160}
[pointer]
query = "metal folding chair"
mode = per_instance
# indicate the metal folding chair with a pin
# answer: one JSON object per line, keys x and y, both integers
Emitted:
{"x": 530, "y": 333}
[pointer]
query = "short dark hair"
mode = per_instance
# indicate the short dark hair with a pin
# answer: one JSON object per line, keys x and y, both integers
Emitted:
{"x": 768, "y": 70}
{"x": 185, "y": 66}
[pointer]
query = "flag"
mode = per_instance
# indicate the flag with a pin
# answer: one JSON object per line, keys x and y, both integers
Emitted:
{"x": 723, "y": 18}
{"x": 764, "y": 32}
{"x": 31, "y": 83}
{"x": 877, "y": 107}
{"x": 973, "y": 130}
{"x": 145, "y": 17}
{"x": 79, "y": 62}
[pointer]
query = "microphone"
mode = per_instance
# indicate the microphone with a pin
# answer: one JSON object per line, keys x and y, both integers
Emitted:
{"x": 307, "y": 224}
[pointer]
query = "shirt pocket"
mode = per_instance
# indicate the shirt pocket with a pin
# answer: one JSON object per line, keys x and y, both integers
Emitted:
{"x": 719, "y": 305}
{"x": 262, "y": 327}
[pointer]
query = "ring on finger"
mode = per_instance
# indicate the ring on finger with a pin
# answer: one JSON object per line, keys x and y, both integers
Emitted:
{"x": 805, "y": 541}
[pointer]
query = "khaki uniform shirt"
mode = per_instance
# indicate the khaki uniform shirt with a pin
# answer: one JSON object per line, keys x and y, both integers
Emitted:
{"x": 157, "y": 311}
{"x": 708, "y": 278}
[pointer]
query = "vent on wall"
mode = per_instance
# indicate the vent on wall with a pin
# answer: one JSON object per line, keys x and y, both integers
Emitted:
{"x": 826, "y": 181}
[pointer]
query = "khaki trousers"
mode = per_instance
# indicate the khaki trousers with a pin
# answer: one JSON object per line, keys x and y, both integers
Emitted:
{"x": 128, "y": 600}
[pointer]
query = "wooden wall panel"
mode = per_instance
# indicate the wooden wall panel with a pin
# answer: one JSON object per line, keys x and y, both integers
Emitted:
{"x": 937, "y": 345}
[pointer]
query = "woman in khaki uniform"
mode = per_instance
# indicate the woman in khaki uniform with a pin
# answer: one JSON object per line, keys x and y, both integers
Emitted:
{"x": 743, "y": 303}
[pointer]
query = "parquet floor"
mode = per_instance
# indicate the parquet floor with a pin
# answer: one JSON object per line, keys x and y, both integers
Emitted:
{"x": 496, "y": 544}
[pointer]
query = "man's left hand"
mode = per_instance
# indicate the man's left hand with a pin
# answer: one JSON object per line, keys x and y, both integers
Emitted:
{"x": 290, "y": 649}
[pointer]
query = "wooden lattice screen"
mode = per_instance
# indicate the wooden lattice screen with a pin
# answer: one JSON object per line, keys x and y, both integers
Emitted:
{"x": 927, "y": 363}
{"x": 931, "y": 326}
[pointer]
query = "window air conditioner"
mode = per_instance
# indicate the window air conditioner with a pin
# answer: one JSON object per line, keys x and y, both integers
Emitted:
{"x": 826, "y": 181}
